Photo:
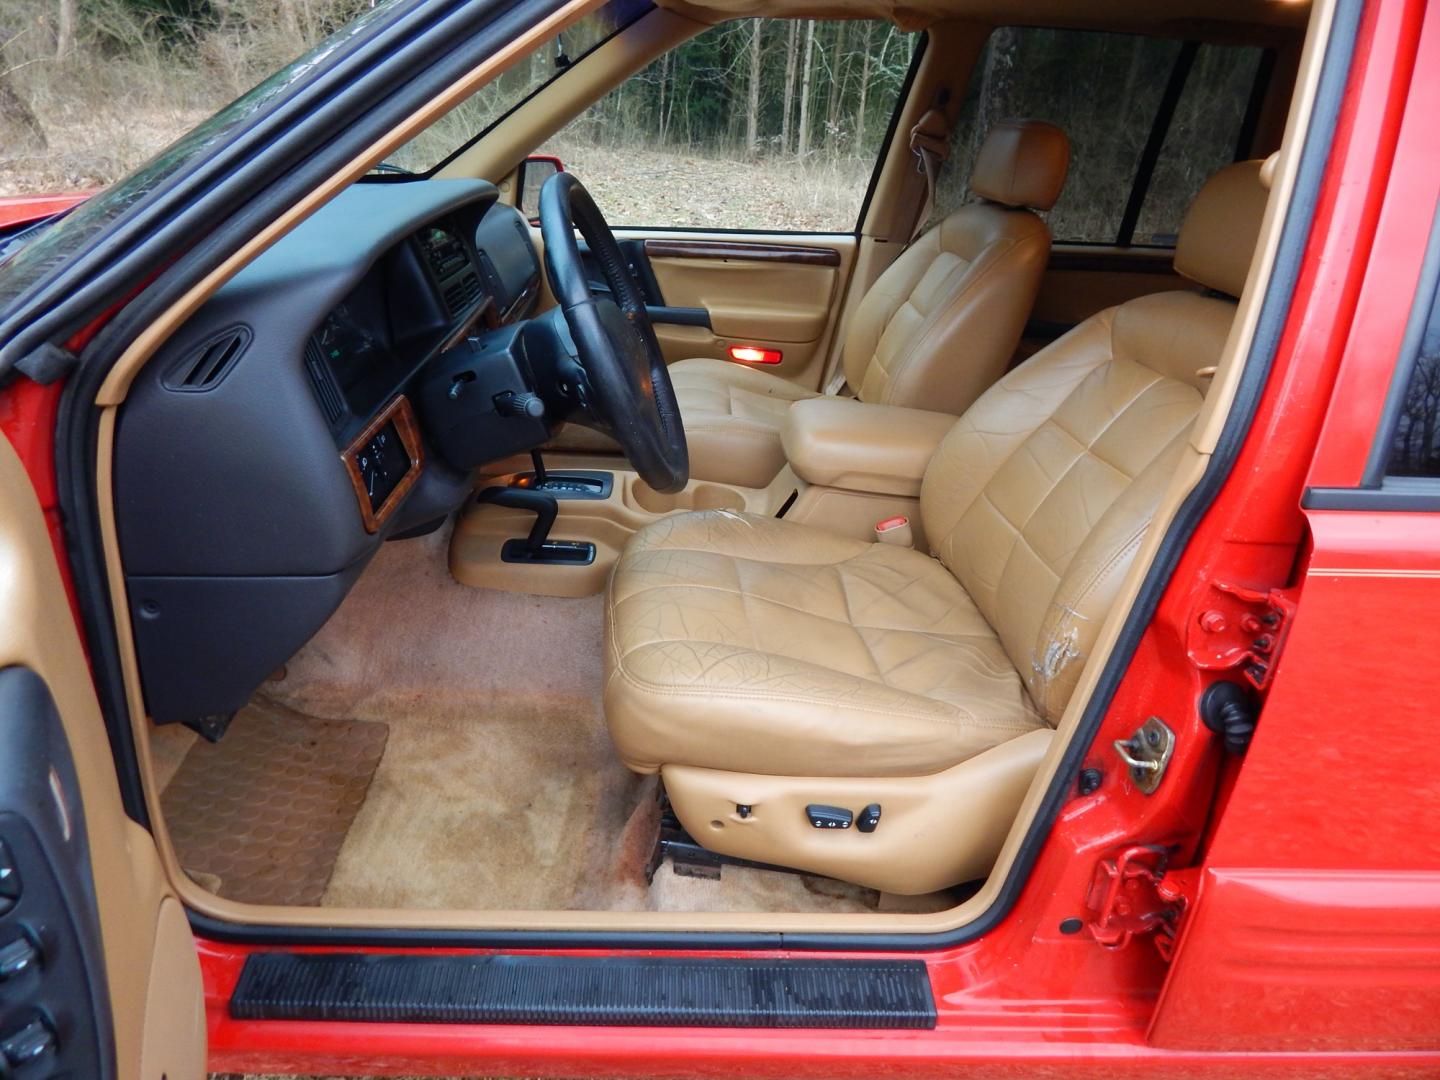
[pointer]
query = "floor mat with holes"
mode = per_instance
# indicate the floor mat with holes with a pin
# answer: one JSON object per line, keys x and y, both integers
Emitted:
{"x": 259, "y": 817}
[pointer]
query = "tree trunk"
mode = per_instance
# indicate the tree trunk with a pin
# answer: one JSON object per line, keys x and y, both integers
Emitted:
{"x": 792, "y": 49}
{"x": 807, "y": 77}
{"x": 65, "y": 30}
{"x": 837, "y": 80}
{"x": 663, "y": 122}
{"x": 19, "y": 129}
{"x": 752, "y": 113}
{"x": 860, "y": 142}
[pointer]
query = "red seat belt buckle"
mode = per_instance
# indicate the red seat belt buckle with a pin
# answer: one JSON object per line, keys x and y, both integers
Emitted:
{"x": 895, "y": 530}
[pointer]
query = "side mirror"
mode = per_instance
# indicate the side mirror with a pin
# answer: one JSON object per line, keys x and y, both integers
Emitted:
{"x": 534, "y": 171}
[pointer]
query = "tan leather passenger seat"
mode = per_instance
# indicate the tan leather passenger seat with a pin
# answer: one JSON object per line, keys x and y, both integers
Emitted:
{"x": 934, "y": 331}
{"x": 765, "y": 665}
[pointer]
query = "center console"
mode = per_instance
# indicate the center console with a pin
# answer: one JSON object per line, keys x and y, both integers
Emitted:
{"x": 597, "y": 507}
{"x": 851, "y": 466}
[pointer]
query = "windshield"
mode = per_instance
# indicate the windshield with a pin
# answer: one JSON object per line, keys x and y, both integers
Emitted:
{"x": 24, "y": 264}
{"x": 476, "y": 115}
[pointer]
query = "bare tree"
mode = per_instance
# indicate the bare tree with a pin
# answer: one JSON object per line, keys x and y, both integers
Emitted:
{"x": 752, "y": 114}
{"x": 65, "y": 30}
{"x": 19, "y": 127}
{"x": 864, "y": 83}
{"x": 837, "y": 81}
{"x": 807, "y": 77}
{"x": 787, "y": 107}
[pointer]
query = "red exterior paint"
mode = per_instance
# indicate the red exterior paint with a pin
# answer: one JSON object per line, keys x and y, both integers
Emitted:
{"x": 25, "y": 209}
{"x": 1320, "y": 898}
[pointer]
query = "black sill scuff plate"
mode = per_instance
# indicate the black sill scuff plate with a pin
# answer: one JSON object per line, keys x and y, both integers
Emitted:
{"x": 619, "y": 991}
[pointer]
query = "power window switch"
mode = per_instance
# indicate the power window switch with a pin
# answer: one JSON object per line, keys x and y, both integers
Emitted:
{"x": 17, "y": 957}
{"x": 32, "y": 1043}
{"x": 9, "y": 879}
{"x": 829, "y": 817}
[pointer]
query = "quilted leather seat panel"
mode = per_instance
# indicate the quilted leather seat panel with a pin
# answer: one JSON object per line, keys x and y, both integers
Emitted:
{"x": 746, "y": 643}
{"x": 1038, "y": 498}
{"x": 733, "y": 416}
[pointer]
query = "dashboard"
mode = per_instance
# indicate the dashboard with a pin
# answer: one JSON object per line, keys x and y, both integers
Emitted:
{"x": 290, "y": 427}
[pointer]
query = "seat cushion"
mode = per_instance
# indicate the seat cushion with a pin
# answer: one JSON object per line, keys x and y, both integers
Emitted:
{"x": 733, "y": 416}
{"x": 757, "y": 645}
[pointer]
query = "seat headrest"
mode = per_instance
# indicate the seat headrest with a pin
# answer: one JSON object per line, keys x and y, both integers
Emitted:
{"x": 1022, "y": 163}
{"x": 1218, "y": 235}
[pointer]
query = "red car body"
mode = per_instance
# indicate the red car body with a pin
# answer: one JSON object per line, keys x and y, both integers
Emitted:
{"x": 1303, "y": 939}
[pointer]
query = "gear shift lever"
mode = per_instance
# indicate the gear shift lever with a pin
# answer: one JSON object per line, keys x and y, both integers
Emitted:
{"x": 537, "y": 547}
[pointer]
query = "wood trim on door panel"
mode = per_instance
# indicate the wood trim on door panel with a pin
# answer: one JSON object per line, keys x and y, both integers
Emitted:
{"x": 705, "y": 249}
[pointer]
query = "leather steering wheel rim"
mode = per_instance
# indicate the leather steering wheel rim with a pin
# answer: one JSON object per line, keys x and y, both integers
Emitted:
{"x": 633, "y": 399}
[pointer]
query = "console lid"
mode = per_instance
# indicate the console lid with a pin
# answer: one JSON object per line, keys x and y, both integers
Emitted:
{"x": 844, "y": 443}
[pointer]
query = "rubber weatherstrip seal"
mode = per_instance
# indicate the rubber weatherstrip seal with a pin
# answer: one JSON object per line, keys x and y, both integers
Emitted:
{"x": 1339, "y": 52}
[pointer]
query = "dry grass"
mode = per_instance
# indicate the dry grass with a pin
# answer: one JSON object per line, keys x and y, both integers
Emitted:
{"x": 644, "y": 186}
{"x": 125, "y": 93}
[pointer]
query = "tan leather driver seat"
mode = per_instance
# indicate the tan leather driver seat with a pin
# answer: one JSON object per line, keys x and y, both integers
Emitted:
{"x": 938, "y": 326}
{"x": 764, "y": 666}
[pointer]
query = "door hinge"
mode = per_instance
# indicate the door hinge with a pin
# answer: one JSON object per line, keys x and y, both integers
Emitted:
{"x": 1239, "y": 627}
{"x": 1136, "y": 893}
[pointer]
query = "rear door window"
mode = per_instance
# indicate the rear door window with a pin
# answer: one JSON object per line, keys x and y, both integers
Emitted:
{"x": 1148, "y": 120}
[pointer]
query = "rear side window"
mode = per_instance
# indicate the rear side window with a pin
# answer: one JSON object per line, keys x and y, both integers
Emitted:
{"x": 1415, "y": 443}
{"x": 1148, "y": 119}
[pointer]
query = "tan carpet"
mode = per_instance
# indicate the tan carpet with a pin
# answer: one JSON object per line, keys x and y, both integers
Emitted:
{"x": 498, "y": 787}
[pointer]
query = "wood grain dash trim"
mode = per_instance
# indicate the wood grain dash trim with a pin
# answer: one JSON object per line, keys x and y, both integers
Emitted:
{"x": 712, "y": 249}
{"x": 400, "y": 411}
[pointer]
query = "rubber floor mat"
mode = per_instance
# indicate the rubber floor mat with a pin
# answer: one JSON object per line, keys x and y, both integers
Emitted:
{"x": 265, "y": 810}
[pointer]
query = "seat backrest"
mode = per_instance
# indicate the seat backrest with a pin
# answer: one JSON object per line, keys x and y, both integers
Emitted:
{"x": 941, "y": 323}
{"x": 1039, "y": 497}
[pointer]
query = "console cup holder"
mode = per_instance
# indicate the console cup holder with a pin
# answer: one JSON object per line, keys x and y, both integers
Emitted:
{"x": 695, "y": 497}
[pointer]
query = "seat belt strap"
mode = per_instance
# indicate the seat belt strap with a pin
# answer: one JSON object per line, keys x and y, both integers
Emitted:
{"x": 930, "y": 143}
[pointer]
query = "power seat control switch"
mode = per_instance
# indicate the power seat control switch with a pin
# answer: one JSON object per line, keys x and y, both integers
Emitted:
{"x": 829, "y": 817}
{"x": 869, "y": 818}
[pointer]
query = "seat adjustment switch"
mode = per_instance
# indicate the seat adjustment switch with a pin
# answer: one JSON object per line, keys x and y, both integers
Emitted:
{"x": 829, "y": 817}
{"x": 869, "y": 818}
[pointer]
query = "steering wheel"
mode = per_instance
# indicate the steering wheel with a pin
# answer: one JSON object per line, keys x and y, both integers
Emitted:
{"x": 633, "y": 400}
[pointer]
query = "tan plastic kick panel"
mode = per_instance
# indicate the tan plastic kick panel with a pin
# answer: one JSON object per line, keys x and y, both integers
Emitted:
{"x": 934, "y": 832}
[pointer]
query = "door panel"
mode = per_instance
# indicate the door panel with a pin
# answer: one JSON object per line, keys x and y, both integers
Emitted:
{"x": 778, "y": 292}
{"x": 1082, "y": 280}
{"x": 111, "y": 928}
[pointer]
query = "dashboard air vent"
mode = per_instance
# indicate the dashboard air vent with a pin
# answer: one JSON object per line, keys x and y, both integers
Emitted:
{"x": 326, "y": 392}
{"x": 204, "y": 367}
{"x": 461, "y": 292}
